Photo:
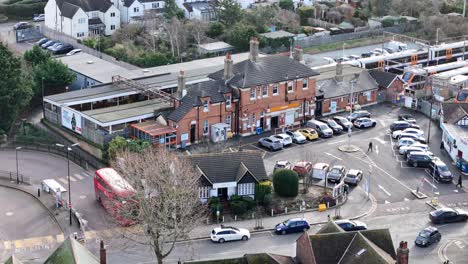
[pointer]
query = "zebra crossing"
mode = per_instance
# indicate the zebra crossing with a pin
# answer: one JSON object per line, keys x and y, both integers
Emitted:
{"x": 74, "y": 178}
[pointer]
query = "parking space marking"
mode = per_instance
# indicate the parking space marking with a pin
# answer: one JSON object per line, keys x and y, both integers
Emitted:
{"x": 377, "y": 149}
{"x": 382, "y": 122}
{"x": 430, "y": 183}
{"x": 336, "y": 142}
{"x": 380, "y": 140}
{"x": 384, "y": 190}
{"x": 459, "y": 244}
{"x": 331, "y": 155}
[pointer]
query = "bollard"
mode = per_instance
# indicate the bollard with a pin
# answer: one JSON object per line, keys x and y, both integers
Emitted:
{"x": 328, "y": 204}
{"x": 285, "y": 210}
{"x": 272, "y": 212}
{"x": 235, "y": 218}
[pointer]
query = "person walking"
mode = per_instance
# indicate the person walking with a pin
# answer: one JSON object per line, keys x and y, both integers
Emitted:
{"x": 370, "y": 147}
{"x": 460, "y": 181}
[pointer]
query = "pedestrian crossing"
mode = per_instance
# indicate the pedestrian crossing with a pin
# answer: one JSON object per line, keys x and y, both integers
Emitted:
{"x": 74, "y": 178}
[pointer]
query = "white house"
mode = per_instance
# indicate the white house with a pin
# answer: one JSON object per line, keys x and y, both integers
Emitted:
{"x": 244, "y": 3}
{"x": 82, "y": 18}
{"x": 134, "y": 9}
{"x": 201, "y": 10}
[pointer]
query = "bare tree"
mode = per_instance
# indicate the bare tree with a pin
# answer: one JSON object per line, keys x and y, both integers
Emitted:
{"x": 197, "y": 29}
{"x": 165, "y": 202}
{"x": 334, "y": 17}
{"x": 289, "y": 20}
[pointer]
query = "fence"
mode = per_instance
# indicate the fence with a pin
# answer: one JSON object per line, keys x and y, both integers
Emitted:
{"x": 28, "y": 34}
{"x": 52, "y": 34}
{"x": 15, "y": 176}
{"x": 321, "y": 40}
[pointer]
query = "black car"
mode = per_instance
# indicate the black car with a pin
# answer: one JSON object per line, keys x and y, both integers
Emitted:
{"x": 343, "y": 122}
{"x": 440, "y": 171}
{"x": 427, "y": 236}
{"x": 420, "y": 159}
{"x": 333, "y": 125}
{"x": 402, "y": 125}
{"x": 62, "y": 49}
{"x": 358, "y": 114}
{"x": 366, "y": 54}
{"x": 448, "y": 215}
{"x": 350, "y": 225}
{"x": 292, "y": 226}
{"x": 42, "y": 41}
{"x": 407, "y": 117}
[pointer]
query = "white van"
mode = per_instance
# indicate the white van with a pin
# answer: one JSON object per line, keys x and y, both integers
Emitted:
{"x": 322, "y": 129}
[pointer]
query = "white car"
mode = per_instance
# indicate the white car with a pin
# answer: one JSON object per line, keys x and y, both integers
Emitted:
{"x": 285, "y": 139}
{"x": 73, "y": 52}
{"x": 40, "y": 17}
{"x": 405, "y": 142}
{"x": 297, "y": 137}
{"x": 422, "y": 146}
{"x": 397, "y": 133}
{"x": 413, "y": 136}
{"x": 364, "y": 122}
{"x": 229, "y": 233}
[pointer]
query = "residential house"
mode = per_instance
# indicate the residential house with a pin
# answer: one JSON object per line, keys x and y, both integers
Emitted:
{"x": 243, "y": 3}
{"x": 454, "y": 125}
{"x": 335, "y": 85}
{"x": 391, "y": 86}
{"x": 201, "y": 10}
{"x": 228, "y": 173}
{"x": 131, "y": 10}
{"x": 82, "y": 18}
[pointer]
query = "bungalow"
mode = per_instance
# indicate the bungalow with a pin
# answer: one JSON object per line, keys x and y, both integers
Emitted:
{"x": 225, "y": 174}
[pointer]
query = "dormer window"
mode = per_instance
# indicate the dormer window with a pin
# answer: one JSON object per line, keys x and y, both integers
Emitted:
{"x": 205, "y": 106}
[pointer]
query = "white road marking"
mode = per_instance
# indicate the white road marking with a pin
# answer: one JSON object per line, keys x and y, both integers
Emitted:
{"x": 331, "y": 155}
{"x": 78, "y": 176}
{"x": 385, "y": 191}
{"x": 406, "y": 199}
{"x": 64, "y": 181}
{"x": 459, "y": 244}
{"x": 336, "y": 142}
{"x": 387, "y": 202}
{"x": 382, "y": 122}
{"x": 455, "y": 190}
{"x": 380, "y": 140}
{"x": 377, "y": 149}
{"x": 72, "y": 179}
{"x": 430, "y": 183}
{"x": 85, "y": 174}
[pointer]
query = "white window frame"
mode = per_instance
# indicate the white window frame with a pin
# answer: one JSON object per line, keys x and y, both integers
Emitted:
{"x": 206, "y": 127}
{"x": 305, "y": 82}
{"x": 228, "y": 120}
{"x": 275, "y": 87}
{"x": 248, "y": 121}
{"x": 94, "y": 14}
{"x": 81, "y": 20}
{"x": 290, "y": 87}
{"x": 246, "y": 189}
{"x": 112, "y": 27}
{"x": 136, "y": 9}
{"x": 155, "y": 5}
{"x": 204, "y": 192}
{"x": 228, "y": 101}
{"x": 253, "y": 93}
{"x": 254, "y": 119}
{"x": 265, "y": 91}
{"x": 206, "y": 106}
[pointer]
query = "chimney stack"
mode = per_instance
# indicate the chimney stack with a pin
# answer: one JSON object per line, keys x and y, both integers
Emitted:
{"x": 227, "y": 67}
{"x": 253, "y": 49}
{"x": 102, "y": 254}
{"x": 180, "y": 85}
{"x": 402, "y": 253}
{"x": 298, "y": 54}
{"x": 339, "y": 72}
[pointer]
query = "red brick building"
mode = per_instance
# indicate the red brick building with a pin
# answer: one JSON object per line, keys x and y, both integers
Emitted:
{"x": 391, "y": 86}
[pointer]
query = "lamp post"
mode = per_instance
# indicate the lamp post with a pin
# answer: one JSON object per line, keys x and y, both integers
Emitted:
{"x": 42, "y": 89}
{"x": 68, "y": 149}
{"x": 17, "y": 167}
{"x": 351, "y": 99}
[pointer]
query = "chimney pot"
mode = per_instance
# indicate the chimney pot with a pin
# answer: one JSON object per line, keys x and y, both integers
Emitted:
{"x": 102, "y": 253}
{"x": 402, "y": 253}
{"x": 227, "y": 67}
{"x": 180, "y": 84}
{"x": 253, "y": 49}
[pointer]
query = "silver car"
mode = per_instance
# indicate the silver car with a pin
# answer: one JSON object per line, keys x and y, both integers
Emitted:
{"x": 353, "y": 177}
{"x": 336, "y": 173}
{"x": 270, "y": 143}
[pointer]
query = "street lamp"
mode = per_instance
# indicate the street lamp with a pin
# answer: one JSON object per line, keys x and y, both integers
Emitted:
{"x": 351, "y": 99}
{"x": 17, "y": 170}
{"x": 42, "y": 88}
{"x": 68, "y": 148}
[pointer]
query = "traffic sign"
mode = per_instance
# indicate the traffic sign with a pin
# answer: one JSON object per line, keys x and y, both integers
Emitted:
{"x": 69, "y": 205}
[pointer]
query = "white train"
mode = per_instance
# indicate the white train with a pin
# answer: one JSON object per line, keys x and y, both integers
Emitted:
{"x": 415, "y": 76}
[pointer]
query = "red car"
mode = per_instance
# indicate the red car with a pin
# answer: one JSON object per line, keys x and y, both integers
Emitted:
{"x": 303, "y": 168}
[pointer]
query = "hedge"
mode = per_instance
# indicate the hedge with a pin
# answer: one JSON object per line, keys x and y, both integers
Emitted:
{"x": 20, "y": 10}
{"x": 286, "y": 183}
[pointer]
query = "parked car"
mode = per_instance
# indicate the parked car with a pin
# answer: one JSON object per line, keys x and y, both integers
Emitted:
{"x": 354, "y": 57}
{"x": 336, "y": 173}
{"x": 42, "y": 41}
{"x": 343, "y": 121}
{"x": 292, "y": 226}
{"x": 353, "y": 177}
{"x": 401, "y": 125}
{"x": 407, "y": 117}
{"x": 416, "y": 149}
{"x": 320, "y": 170}
{"x": 297, "y": 137}
{"x": 73, "y": 52}
{"x": 39, "y": 17}
{"x": 229, "y": 233}
{"x": 270, "y": 143}
{"x": 303, "y": 168}
{"x": 364, "y": 122}
{"x": 413, "y": 136}
{"x": 419, "y": 159}
{"x": 337, "y": 129}
{"x": 440, "y": 171}
{"x": 309, "y": 133}
{"x": 367, "y": 54}
{"x": 351, "y": 225}
{"x": 358, "y": 114}
{"x": 405, "y": 142}
{"x": 285, "y": 139}
{"x": 419, "y": 145}
{"x": 322, "y": 129}
{"x": 427, "y": 236}
{"x": 410, "y": 130}
{"x": 448, "y": 215}
{"x": 48, "y": 44}
{"x": 21, "y": 25}
{"x": 54, "y": 46}
{"x": 62, "y": 49}
{"x": 282, "y": 164}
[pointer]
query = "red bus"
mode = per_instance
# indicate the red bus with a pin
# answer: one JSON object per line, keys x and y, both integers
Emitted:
{"x": 115, "y": 194}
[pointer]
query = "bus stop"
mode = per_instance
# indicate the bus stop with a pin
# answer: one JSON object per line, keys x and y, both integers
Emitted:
{"x": 51, "y": 186}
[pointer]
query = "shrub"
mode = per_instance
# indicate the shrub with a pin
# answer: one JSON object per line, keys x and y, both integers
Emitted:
{"x": 239, "y": 207}
{"x": 250, "y": 203}
{"x": 215, "y": 205}
{"x": 20, "y": 10}
{"x": 305, "y": 12}
{"x": 286, "y": 183}
{"x": 215, "y": 29}
{"x": 235, "y": 197}
{"x": 261, "y": 191}
{"x": 388, "y": 22}
{"x": 267, "y": 199}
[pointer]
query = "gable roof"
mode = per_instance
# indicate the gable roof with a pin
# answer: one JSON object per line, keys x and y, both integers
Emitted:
{"x": 225, "y": 166}
{"x": 329, "y": 227}
{"x": 69, "y": 10}
{"x": 266, "y": 70}
{"x": 72, "y": 252}
{"x": 128, "y": 3}
{"x": 384, "y": 79}
{"x": 362, "y": 250}
{"x": 86, "y": 5}
{"x": 453, "y": 112}
{"x": 331, "y": 87}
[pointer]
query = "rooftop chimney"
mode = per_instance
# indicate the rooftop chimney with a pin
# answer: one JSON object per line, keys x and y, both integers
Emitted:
{"x": 298, "y": 54}
{"x": 227, "y": 67}
{"x": 253, "y": 49}
{"x": 180, "y": 85}
{"x": 102, "y": 254}
{"x": 339, "y": 72}
{"x": 402, "y": 253}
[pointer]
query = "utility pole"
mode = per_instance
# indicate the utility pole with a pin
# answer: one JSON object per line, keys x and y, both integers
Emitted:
{"x": 437, "y": 35}
{"x": 464, "y": 8}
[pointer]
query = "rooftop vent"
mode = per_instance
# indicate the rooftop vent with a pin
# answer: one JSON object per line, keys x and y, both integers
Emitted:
{"x": 90, "y": 62}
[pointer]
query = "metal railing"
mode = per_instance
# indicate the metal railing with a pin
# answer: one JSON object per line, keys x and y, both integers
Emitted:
{"x": 12, "y": 175}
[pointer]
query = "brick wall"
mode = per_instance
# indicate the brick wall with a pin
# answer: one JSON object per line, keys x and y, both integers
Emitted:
{"x": 342, "y": 102}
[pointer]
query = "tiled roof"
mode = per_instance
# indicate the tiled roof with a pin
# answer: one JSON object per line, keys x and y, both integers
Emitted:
{"x": 87, "y": 5}
{"x": 69, "y": 10}
{"x": 224, "y": 167}
{"x": 331, "y": 88}
{"x": 266, "y": 70}
{"x": 383, "y": 78}
{"x": 72, "y": 252}
{"x": 128, "y": 3}
{"x": 94, "y": 21}
{"x": 453, "y": 112}
{"x": 330, "y": 227}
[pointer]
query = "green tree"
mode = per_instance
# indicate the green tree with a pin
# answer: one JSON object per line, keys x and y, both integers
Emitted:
{"x": 286, "y": 4}
{"x": 286, "y": 183}
{"x": 229, "y": 12}
{"x": 262, "y": 17}
{"x": 115, "y": 146}
{"x": 261, "y": 193}
{"x": 305, "y": 12}
{"x": 15, "y": 88}
{"x": 55, "y": 74}
{"x": 36, "y": 56}
{"x": 380, "y": 7}
{"x": 172, "y": 10}
{"x": 216, "y": 29}
{"x": 240, "y": 35}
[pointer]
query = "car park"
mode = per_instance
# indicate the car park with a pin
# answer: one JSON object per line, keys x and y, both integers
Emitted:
{"x": 322, "y": 129}
{"x": 42, "y": 41}
{"x": 333, "y": 125}
{"x": 343, "y": 122}
{"x": 448, "y": 215}
{"x": 401, "y": 125}
{"x": 358, "y": 114}
{"x": 285, "y": 139}
{"x": 39, "y": 17}
{"x": 48, "y": 44}
{"x": 336, "y": 173}
{"x": 440, "y": 171}
{"x": 405, "y": 142}
{"x": 419, "y": 145}
{"x": 413, "y": 136}
{"x": 297, "y": 137}
{"x": 282, "y": 164}
{"x": 303, "y": 168}
{"x": 428, "y": 236}
{"x": 62, "y": 49}
{"x": 353, "y": 177}
{"x": 364, "y": 122}
{"x": 270, "y": 143}
{"x": 229, "y": 233}
{"x": 309, "y": 133}
{"x": 397, "y": 133}
{"x": 21, "y": 25}
{"x": 351, "y": 225}
{"x": 73, "y": 52}
{"x": 419, "y": 159}
{"x": 295, "y": 225}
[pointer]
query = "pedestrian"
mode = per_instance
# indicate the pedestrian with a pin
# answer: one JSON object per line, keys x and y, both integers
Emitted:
{"x": 370, "y": 147}
{"x": 460, "y": 181}
{"x": 441, "y": 145}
